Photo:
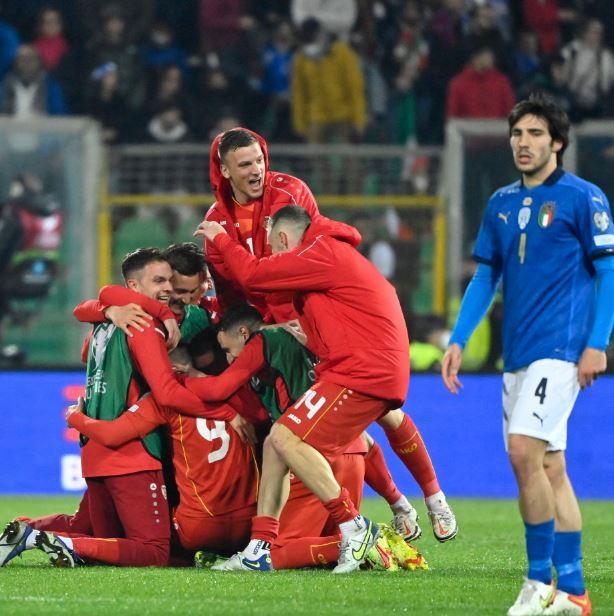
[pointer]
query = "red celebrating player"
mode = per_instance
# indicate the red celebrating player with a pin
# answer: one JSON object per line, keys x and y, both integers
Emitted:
{"x": 248, "y": 194}
{"x": 354, "y": 324}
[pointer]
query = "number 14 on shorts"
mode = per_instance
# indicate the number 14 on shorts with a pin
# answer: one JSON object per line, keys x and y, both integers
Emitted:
{"x": 311, "y": 403}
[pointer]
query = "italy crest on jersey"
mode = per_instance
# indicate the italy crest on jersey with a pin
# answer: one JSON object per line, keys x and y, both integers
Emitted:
{"x": 546, "y": 214}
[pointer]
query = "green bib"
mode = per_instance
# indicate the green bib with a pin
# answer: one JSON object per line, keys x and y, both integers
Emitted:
{"x": 289, "y": 360}
{"x": 194, "y": 321}
{"x": 108, "y": 375}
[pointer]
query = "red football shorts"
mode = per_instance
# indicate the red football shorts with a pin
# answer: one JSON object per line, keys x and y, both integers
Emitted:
{"x": 224, "y": 534}
{"x": 329, "y": 417}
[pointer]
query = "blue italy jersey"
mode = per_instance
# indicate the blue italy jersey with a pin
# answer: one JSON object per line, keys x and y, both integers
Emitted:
{"x": 543, "y": 240}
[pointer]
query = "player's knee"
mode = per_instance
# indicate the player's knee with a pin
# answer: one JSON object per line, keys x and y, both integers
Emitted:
{"x": 524, "y": 457}
{"x": 555, "y": 467}
{"x": 392, "y": 419}
{"x": 159, "y": 555}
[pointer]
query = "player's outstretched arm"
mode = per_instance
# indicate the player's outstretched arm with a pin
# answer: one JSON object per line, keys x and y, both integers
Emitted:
{"x": 126, "y": 427}
{"x": 450, "y": 368}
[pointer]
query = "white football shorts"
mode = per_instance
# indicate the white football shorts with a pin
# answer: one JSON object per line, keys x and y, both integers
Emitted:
{"x": 537, "y": 401}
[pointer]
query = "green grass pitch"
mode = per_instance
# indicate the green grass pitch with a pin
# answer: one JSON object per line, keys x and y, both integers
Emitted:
{"x": 478, "y": 573}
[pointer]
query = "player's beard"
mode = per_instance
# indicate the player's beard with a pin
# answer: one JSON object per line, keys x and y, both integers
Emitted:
{"x": 536, "y": 169}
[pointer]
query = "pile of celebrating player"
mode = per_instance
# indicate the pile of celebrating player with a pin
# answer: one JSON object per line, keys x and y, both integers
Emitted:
{"x": 253, "y": 407}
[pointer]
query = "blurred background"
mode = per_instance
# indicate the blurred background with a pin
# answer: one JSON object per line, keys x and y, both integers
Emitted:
{"x": 393, "y": 112}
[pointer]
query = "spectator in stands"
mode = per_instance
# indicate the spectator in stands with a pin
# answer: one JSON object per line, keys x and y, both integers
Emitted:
{"x": 168, "y": 125}
{"x": 106, "y": 104}
{"x": 376, "y": 88}
{"x": 328, "y": 94}
{"x": 590, "y": 69}
{"x": 275, "y": 83}
{"x": 552, "y": 78}
{"x": 338, "y": 16}
{"x": 113, "y": 45}
{"x": 545, "y": 17}
{"x": 170, "y": 88}
{"x": 161, "y": 50}
{"x": 138, "y": 16}
{"x": 222, "y": 25}
{"x": 403, "y": 105}
{"x": 219, "y": 97}
{"x": 9, "y": 43}
{"x": 50, "y": 41}
{"x": 527, "y": 58}
{"x": 408, "y": 44}
{"x": 28, "y": 90}
{"x": 483, "y": 31}
{"x": 480, "y": 90}
{"x": 444, "y": 33}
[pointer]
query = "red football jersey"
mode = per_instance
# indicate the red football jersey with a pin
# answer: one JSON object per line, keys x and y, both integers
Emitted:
{"x": 216, "y": 473}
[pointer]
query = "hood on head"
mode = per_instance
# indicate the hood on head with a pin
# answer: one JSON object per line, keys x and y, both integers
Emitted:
{"x": 219, "y": 184}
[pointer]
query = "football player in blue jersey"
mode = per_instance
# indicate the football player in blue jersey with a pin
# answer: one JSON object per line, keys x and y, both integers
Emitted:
{"x": 549, "y": 237}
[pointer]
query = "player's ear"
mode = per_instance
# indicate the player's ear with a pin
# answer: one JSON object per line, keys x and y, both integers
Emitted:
{"x": 224, "y": 170}
{"x": 556, "y": 145}
{"x": 132, "y": 283}
{"x": 283, "y": 238}
{"x": 244, "y": 332}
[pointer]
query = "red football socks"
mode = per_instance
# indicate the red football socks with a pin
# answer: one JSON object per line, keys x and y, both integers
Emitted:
{"x": 378, "y": 476}
{"x": 265, "y": 527}
{"x": 306, "y": 552}
{"x": 407, "y": 443}
{"x": 341, "y": 509}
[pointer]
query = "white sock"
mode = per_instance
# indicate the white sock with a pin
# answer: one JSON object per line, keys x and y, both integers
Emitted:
{"x": 352, "y": 527}
{"x": 436, "y": 501}
{"x": 67, "y": 541}
{"x": 401, "y": 506}
{"x": 256, "y": 548}
{"x": 30, "y": 539}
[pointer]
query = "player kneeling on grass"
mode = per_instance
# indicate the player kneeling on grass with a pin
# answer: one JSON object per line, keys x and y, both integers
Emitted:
{"x": 216, "y": 472}
{"x": 363, "y": 371}
{"x": 279, "y": 370}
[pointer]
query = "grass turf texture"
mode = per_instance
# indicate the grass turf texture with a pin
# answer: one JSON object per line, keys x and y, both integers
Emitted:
{"x": 480, "y": 572}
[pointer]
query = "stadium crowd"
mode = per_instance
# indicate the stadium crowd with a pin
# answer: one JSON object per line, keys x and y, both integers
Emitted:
{"x": 386, "y": 71}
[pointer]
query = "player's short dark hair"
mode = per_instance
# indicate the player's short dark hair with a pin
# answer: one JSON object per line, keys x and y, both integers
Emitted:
{"x": 135, "y": 261}
{"x": 205, "y": 341}
{"x": 186, "y": 258}
{"x": 544, "y": 106}
{"x": 238, "y": 315}
{"x": 293, "y": 214}
{"x": 180, "y": 354}
{"x": 234, "y": 139}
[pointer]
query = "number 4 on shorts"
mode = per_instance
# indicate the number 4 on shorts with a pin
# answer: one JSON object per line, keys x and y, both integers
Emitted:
{"x": 540, "y": 392}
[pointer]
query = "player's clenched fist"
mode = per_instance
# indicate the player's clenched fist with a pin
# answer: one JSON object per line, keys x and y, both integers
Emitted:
{"x": 209, "y": 229}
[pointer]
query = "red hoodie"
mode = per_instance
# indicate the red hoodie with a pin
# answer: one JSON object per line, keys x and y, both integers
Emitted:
{"x": 279, "y": 190}
{"x": 349, "y": 311}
